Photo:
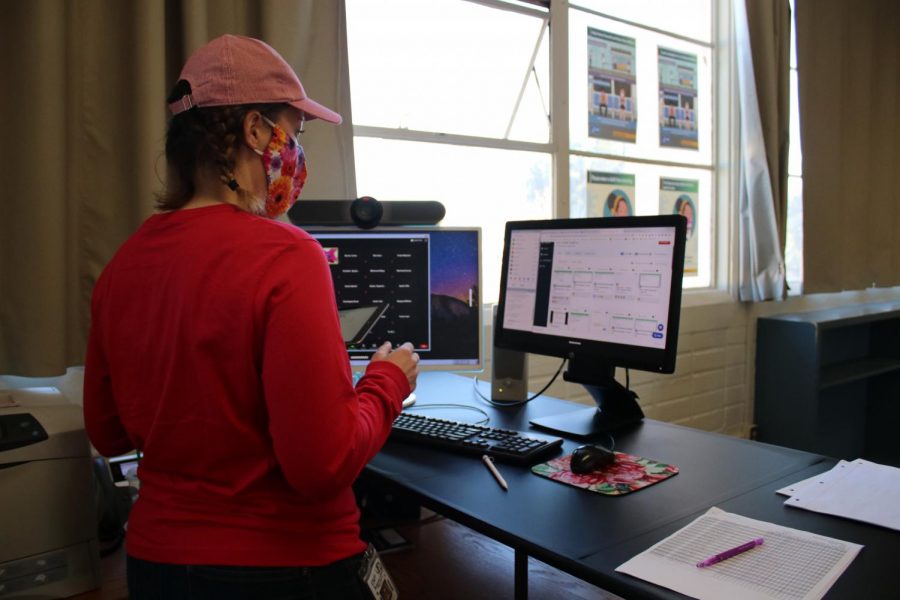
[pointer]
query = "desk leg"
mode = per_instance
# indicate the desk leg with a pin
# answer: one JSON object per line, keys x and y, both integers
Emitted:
{"x": 521, "y": 575}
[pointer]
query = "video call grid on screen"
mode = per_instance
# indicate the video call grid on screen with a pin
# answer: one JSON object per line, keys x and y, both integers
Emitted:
{"x": 609, "y": 285}
{"x": 426, "y": 280}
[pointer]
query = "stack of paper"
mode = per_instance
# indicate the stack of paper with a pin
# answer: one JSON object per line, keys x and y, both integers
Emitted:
{"x": 789, "y": 565}
{"x": 859, "y": 490}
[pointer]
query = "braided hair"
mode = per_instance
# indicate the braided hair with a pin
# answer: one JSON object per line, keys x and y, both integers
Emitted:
{"x": 206, "y": 138}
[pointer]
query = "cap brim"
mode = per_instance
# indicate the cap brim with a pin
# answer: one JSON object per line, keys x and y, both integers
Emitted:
{"x": 314, "y": 110}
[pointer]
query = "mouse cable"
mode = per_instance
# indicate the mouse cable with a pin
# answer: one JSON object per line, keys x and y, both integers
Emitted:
{"x": 418, "y": 407}
{"x": 501, "y": 403}
{"x": 612, "y": 441}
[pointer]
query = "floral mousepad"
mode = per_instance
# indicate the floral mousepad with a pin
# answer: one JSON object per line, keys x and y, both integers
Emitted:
{"x": 628, "y": 474}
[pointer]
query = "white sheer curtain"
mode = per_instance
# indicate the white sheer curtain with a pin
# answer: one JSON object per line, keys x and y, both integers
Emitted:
{"x": 761, "y": 270}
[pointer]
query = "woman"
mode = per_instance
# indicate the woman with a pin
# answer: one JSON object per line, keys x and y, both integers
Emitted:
{"x": 617, "y": 205}
{"x": 685, "y": 206}
{"x": 215, "y": 350}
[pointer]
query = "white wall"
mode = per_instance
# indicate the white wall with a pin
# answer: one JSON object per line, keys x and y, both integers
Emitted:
{"x": 713, "y": 384}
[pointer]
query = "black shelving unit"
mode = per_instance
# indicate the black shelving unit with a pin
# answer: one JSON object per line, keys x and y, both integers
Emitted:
{"x": 828, "y": 381}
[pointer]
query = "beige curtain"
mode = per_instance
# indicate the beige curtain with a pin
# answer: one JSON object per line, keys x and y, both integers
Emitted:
{"x": 848, "y": 65}
{"x": 84, "y": 87}
{"x": 769, "y": 23}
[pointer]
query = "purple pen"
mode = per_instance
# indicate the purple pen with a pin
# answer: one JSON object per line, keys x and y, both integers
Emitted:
{"x": 716, "y": 558}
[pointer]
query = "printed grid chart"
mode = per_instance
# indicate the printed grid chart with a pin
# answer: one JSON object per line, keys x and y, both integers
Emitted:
{"x": 762, "y": 568}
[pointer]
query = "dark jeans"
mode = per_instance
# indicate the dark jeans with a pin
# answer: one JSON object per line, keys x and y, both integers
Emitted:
{"x": 157, "y": 581}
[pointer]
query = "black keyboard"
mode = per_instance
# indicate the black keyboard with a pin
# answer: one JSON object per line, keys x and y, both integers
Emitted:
{"x": 455, "y": 436}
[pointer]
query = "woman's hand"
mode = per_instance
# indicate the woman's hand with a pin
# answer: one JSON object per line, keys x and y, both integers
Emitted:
{"x": 404, "y": 357}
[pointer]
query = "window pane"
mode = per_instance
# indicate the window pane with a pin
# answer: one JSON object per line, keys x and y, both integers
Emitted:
{"x": 478, "y": 186}
{"x": 793, "y": 250}
{"x": 793, "y": 59}
{"x": 448, "y": 66}
{"x": 690, "y": 18}
{"x": 597, "y": 185}
{"x": 637, "y": 85}
{"x": 795, "y": 153}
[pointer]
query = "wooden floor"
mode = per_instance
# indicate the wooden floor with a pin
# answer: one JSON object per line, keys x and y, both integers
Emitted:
{"x": 447, "y": 561}
{"x": 450, "y": 561}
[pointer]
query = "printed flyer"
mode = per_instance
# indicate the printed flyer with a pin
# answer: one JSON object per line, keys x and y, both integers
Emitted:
{"x": 677, "y": 99}
{"x": 612, "y": 82}
{"x": 610, "y": 194}
{"x": 679, "y": 197}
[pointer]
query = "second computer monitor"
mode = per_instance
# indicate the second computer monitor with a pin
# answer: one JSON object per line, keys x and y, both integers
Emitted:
{"x": 602, "y": 293}
{"x": 420, "y": 285}
{"x": 607, "y": 290}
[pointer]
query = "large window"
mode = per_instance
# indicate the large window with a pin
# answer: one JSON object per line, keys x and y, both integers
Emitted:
{"x": 451, "y": 102}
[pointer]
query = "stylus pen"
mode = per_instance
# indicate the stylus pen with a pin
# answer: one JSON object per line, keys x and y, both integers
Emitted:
{"x": 490, "y": 465}
{"x": 717, "y": 558}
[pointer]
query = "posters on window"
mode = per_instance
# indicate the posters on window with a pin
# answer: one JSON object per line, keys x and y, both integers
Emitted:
{"x": 679, "y": 197}
{"x": 677, "y": 99}
{"x": 610, "y": 194}
{"x": 612, "y": 86}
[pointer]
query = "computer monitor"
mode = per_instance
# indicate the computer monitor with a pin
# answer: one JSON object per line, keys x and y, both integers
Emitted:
{"x": 601, "y": 292}
{"x": 408, "y": 284}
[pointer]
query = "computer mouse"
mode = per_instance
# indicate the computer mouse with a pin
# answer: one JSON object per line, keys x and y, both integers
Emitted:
{"x": 591, "y": 457}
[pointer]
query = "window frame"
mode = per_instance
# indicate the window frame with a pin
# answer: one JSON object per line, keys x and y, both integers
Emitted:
{"x": 724, "y": 151}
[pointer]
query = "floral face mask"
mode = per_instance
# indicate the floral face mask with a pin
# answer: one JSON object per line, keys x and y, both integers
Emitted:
{"x": 285, "y": 165}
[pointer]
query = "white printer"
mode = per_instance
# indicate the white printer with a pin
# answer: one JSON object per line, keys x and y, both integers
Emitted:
{"x": 48, "y": 511}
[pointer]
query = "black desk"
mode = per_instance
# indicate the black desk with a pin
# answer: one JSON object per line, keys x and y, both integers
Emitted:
{"x": 588, "y": 535}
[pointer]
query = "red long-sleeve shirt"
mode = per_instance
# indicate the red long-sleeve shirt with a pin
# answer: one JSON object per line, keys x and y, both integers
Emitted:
{"x": 215, "y": 349}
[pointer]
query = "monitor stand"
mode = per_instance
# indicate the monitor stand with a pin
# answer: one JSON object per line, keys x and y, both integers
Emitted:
{"x": 617, "y": 407}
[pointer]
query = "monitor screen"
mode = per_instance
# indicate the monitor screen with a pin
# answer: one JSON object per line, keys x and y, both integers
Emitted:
{"x": 607, "y": 289}
{"x": 420, "y": 285}
{"x": 599, "y": 292}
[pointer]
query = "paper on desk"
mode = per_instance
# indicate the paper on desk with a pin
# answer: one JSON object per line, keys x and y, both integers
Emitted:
{"x": 795, "y": 488}
{"x": 859, "y": 490}
{"x": 790, "y": 564}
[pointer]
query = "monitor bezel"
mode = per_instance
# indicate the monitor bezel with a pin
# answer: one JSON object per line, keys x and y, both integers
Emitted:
{"x": 607, "y": 354}
{"x": 425, "y": 364}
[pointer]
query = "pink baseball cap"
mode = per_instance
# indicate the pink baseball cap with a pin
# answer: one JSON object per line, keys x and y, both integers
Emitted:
{"x": 234, "y": 69}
